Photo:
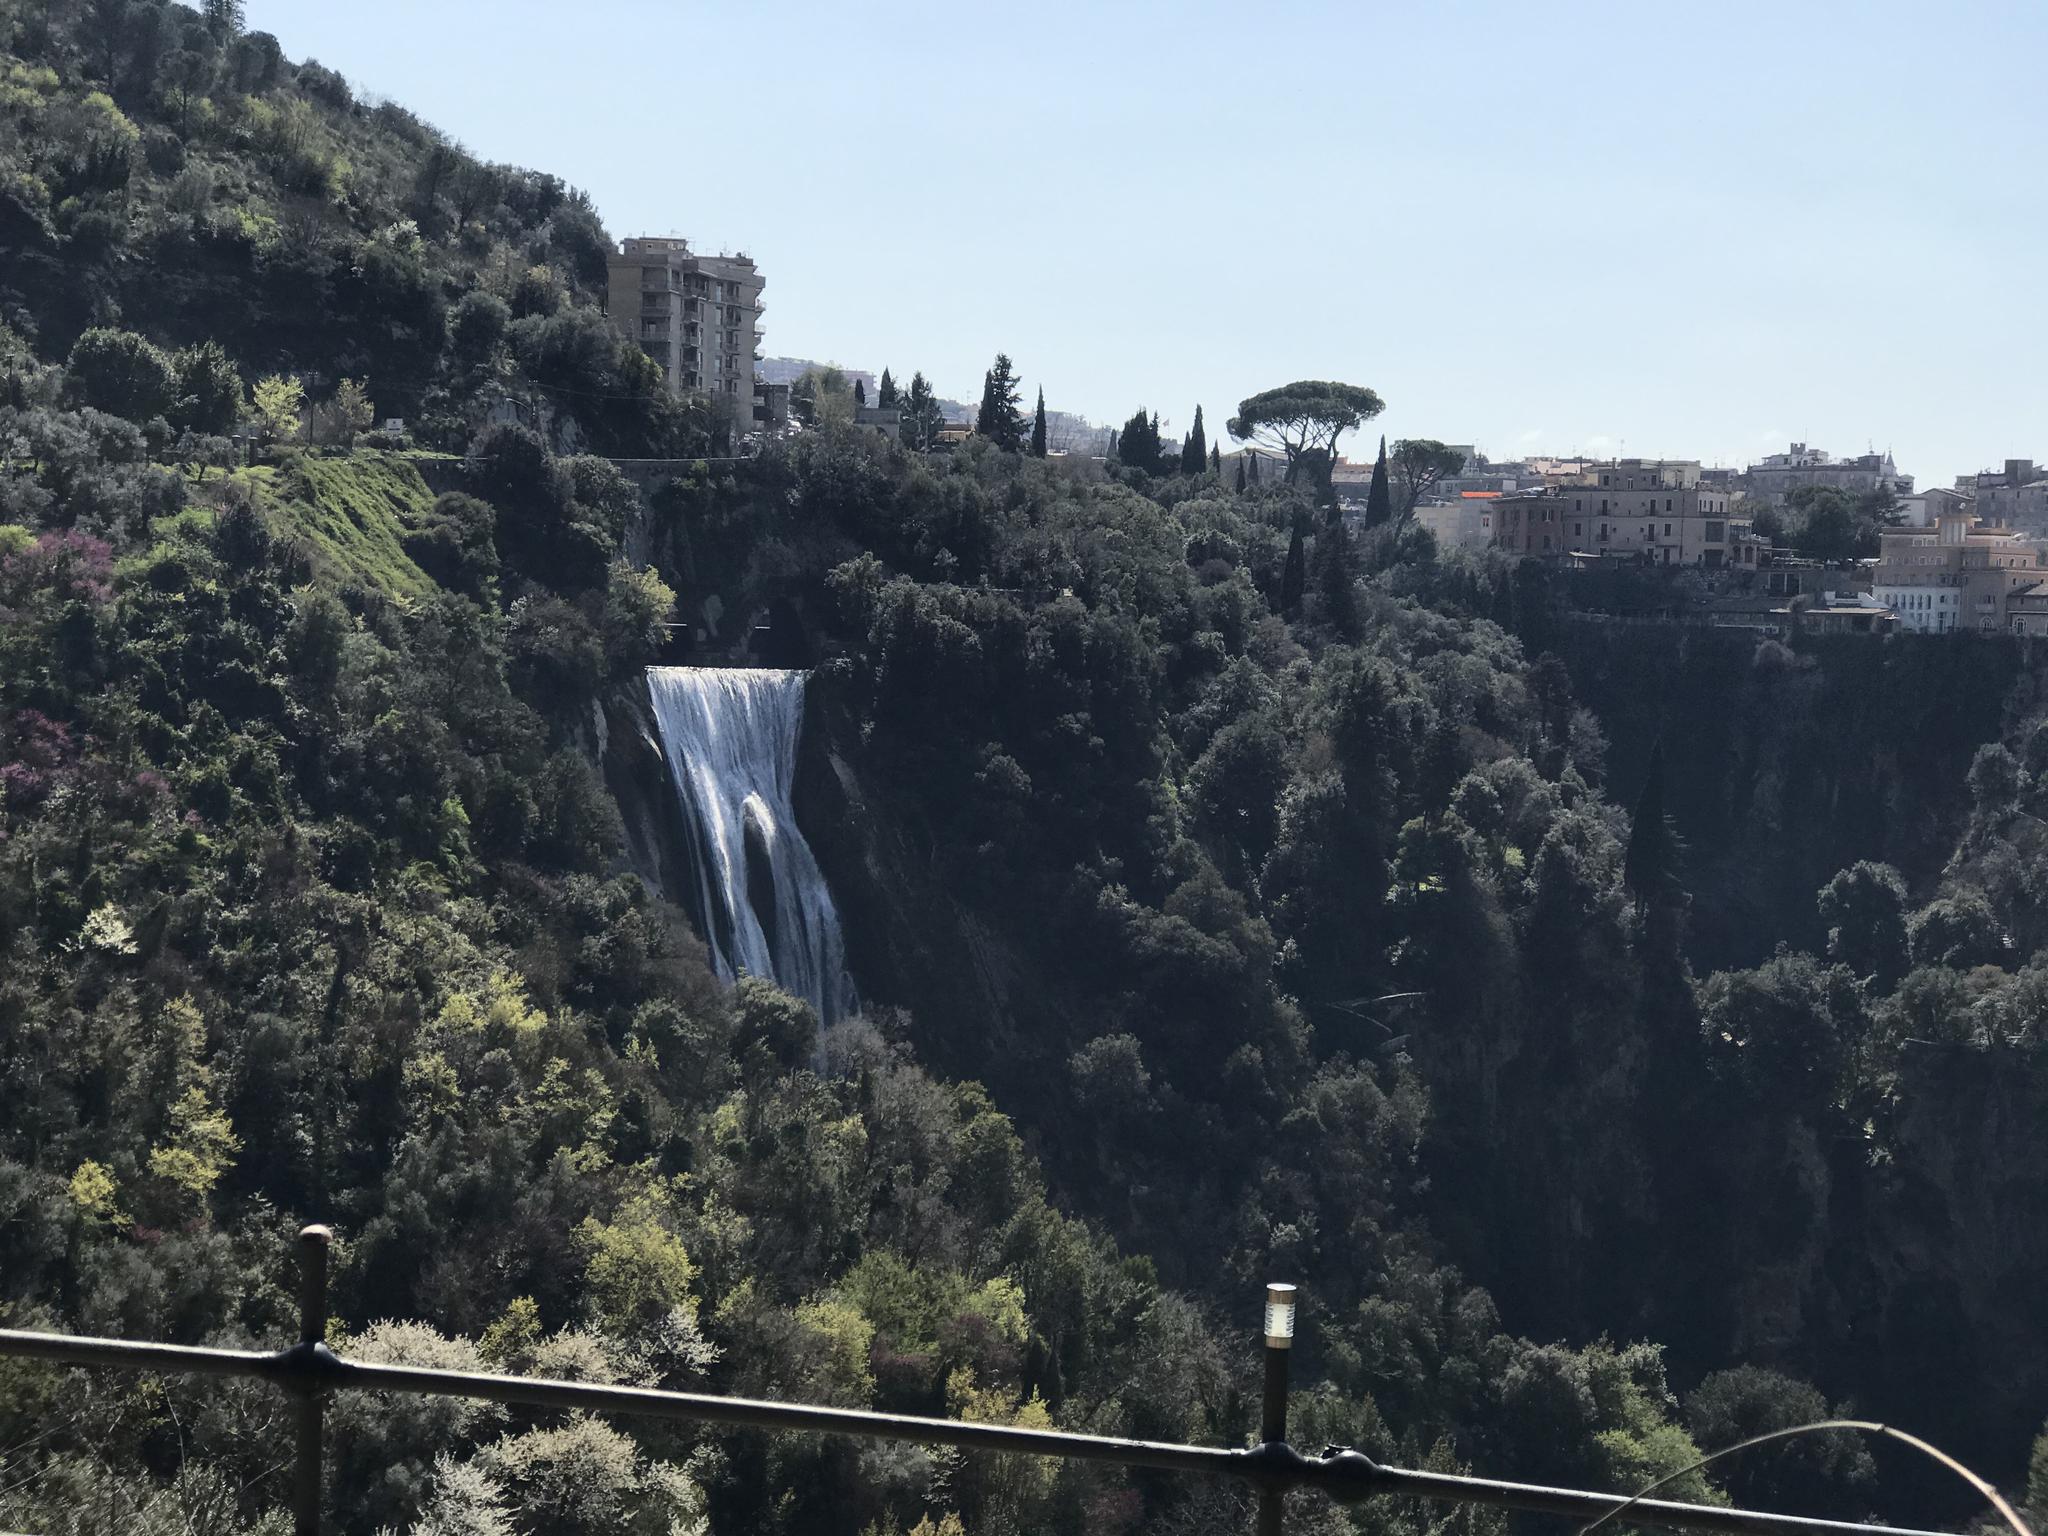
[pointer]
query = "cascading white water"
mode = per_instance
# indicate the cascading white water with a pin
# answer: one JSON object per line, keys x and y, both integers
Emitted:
{"x": 730, "y": 735}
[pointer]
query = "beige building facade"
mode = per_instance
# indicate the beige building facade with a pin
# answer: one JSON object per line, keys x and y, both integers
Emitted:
{"x": 1957, "y": 575}
{"x": 698, "y": 317}
{"x": 1776, "y": 476}
{"x": 1656, "y": 511}
{"x": 1465, "y": 523}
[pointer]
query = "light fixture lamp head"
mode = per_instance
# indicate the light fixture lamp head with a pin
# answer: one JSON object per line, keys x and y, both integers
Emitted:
{"x": 1279, "y": 1316}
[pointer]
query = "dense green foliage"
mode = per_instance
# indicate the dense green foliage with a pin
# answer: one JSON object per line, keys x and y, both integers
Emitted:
{"x": 1823, "y": 523}
{"x": 1233, "y": 899}
{"x": 167, "y": 176}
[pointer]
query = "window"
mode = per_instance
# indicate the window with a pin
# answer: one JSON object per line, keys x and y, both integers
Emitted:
{"x": 1716, "y": 532}
{"x": 1605, "y": 478}
{"x": 1667, "y": 503}
{"x": 1578, "y": 530}
{"x": 1667, "y": 528}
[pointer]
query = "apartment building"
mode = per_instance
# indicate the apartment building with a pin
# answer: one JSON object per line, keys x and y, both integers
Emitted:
{"x": 2015, "y": 497}
{"x": 1776, "y": 476}
{"x": 1464, "y": 521}
{"x": 699, "y": 317}
{"x": 1654, "y": 510}
{"x": 1959, "y": 574}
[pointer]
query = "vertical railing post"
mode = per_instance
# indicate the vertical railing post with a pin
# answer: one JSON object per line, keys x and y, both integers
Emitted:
{"x": 308, "y": 1408}
{"x": 1273, "y": 1403}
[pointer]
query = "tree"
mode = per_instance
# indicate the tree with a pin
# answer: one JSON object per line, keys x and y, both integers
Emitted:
{"x": 1333, "y": 577}
{"x": 1831, "y": 525}
{"x": 477, "y": 328}
{"x": 1810, "y": 1474}
{"x": 1194, "y": 452}
{"x": 1239, "y": 487}
{"x": 1252, "y": 474}
{"x": 922, "y": 417}
{"x": 1417, "y": 464}
{"x": 108, "y": 22}
{"x": 224, "y": 19}
{"x": 279, "y": 401}
{"x": 1784, "y": 1027}
{"x": 1650, "y": 866}
{"x": 210, "y": 392}
{"x": 123, "y": 374}
{"x": 1865, "y": 909}
{"x": 1294, "y": 575}
{"x": 345, "y": 415}
{"x": 1038, "y": 428}
{"x": 1000, "y": 419}
{"x": 1959, "y": 931}
{"x": 1138, "y": 443}
{"x": 1379, "y": 498}
{"x": 1215, "y": 459}
{"x": 885, "y": 392}
{"x": 860, "y": 395}
{"x": 2037, "y": 1479}
{"x": 824, "y": 395}
{"x": 1310, "y": 414}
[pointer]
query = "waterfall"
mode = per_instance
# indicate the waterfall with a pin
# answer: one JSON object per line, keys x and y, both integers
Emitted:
{"x": 730, "y": 735}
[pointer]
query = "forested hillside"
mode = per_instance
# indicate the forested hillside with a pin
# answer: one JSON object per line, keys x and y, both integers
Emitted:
{"x": 1232, "y": 899}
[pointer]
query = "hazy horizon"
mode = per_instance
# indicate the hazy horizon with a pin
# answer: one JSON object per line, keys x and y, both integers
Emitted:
{"x": 1701, "y": 235}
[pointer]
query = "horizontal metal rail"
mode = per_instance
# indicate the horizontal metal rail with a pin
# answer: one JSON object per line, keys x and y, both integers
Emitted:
{"x": 311, "y": 1370}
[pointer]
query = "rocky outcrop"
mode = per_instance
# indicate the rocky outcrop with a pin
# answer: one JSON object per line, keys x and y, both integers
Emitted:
{"x": 657, "y": 843}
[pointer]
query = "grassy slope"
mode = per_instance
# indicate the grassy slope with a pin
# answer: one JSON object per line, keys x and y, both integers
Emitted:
{"x": 352, "y": 513}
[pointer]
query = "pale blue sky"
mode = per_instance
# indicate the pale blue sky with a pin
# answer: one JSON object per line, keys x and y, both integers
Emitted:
{"x": 1696, "y": 231}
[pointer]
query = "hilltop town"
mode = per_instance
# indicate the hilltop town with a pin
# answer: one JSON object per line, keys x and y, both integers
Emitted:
{"x": 1796, "y": 541}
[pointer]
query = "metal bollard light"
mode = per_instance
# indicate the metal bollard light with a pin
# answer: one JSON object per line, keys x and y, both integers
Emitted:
{"x": 1273, "y": 1404}
{"x": 309, "y": 1409}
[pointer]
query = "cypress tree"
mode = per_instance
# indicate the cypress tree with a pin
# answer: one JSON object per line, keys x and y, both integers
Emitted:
{"x": 999, "y": 419}
{"x": 1215, "y": 458}
{"x": 922, "y": 416}
{"x": 1240, "y": 472}
{"x": 1038, "y": 427}
{"x": 885, "y": 392}
{"x": 860, "y": 393}
{"x": 1379, "y": 500}
{"x": 1294, "y": 575}
{"x": 1333, "y": 578}
{"x": 1116, "y": 450}
{"x": 1252, "y": 474}
{"x": 1138, "y": 444}
{"x": 1195, "y": 451}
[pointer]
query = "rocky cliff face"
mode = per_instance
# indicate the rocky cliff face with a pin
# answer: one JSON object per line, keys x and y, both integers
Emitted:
{"x": 908, "y": 944}
{"x": 1783, "y": 766}
{"x": 628, "y": 749}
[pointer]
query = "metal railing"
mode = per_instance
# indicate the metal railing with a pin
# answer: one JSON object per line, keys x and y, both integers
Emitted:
{"x": 309, "y": 1371}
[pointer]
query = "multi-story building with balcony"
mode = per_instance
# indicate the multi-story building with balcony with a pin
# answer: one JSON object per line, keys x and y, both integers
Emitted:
{"x": 699, "y": 317}
{"x": 1957, "y": 575}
